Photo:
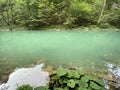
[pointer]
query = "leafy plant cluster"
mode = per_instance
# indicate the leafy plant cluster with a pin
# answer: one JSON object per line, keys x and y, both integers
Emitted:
{"x": 65, "y": 79}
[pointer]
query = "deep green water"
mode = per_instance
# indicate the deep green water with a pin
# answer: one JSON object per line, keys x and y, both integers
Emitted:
{"x": 78, "y": 48}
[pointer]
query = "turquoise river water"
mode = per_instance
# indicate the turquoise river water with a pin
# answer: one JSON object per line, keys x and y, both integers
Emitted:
{"x": 77, "y": 48}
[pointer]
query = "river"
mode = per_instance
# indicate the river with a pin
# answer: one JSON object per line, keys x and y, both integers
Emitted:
{"x": 77, "y": 48}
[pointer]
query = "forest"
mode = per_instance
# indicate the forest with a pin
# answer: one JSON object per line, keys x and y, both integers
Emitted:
{"x": 37, "y": 14}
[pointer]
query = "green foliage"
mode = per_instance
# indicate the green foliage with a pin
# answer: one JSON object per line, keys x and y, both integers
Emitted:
{"x": 71, "y": 83}
{"x": 94, "y": 86}
{"x": 73, "y": 74}
{"x": 80, "y": 6}
{"x": 25, "y": 87}
{"x": 74, "y": 79}
{"x": 65, "y": 79}
{"x": 41, "y": 88}
{"x": 61, "y": 72}
{"x": 35, "y": 14}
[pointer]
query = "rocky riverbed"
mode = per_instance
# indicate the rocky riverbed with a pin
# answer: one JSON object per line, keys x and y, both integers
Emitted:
{"x": 114, "y": 73}
{"x": 35, "y": 76}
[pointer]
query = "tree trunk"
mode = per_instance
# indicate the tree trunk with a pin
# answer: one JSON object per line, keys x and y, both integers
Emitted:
{"x": 102, "y": 11}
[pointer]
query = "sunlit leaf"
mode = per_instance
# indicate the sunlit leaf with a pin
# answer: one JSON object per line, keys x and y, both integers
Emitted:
{"x": 71, "y": 83}
{"x": 94, "y": 86}
{"x": 61, "y": 72}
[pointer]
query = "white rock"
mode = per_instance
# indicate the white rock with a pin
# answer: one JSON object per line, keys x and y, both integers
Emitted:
{"x": 4, "y": 86}
{"x": 33, "y": 76}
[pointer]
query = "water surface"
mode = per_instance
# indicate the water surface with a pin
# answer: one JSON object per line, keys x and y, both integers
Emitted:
{"x": 59, "y": 48}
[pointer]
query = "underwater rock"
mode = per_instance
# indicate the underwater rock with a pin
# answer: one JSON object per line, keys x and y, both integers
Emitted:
{"x": 33, "y": 76}
{"x": 114, "y": 73}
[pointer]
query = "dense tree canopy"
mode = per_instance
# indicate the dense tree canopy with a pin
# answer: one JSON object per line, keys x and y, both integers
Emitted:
{"x": 35, "y": 14}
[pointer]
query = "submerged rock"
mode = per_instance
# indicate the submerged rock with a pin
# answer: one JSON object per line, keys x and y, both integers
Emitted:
{"x": 114, "y": 73}
{"x": 33, "y": 76}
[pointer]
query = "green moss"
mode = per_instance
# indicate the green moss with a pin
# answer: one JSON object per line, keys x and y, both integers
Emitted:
{"x": 25, "y": 87}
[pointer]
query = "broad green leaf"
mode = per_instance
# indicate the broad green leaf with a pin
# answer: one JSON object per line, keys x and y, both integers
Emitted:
{"x": 95, "y": 79}
{"x": 61, "y": 72}
{"x": 85, "y": 79}
{"x": 81, "y": 73}
{"x": 94, "y": 86}
{"x": 73, "y": 74}
{"x": 82, "y": 88}
{"x": 71, "y": 83}
{"x": 63, "y": 80}
{"x": 82, "y": 83}
{"x": 99, "y": 81}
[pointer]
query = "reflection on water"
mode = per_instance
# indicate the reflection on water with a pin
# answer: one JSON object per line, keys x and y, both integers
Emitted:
{"x": 85, "y": 49}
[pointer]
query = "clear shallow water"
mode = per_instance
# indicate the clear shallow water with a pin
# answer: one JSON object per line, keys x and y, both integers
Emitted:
{"x": 59, "y": 48}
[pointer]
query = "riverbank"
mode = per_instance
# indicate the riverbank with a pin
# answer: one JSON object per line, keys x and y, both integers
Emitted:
{"x": 24, "y": 76}
{"x": 63, "y": 28}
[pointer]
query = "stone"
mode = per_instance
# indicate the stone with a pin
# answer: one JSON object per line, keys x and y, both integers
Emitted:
{"x": 34, "y": 76}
